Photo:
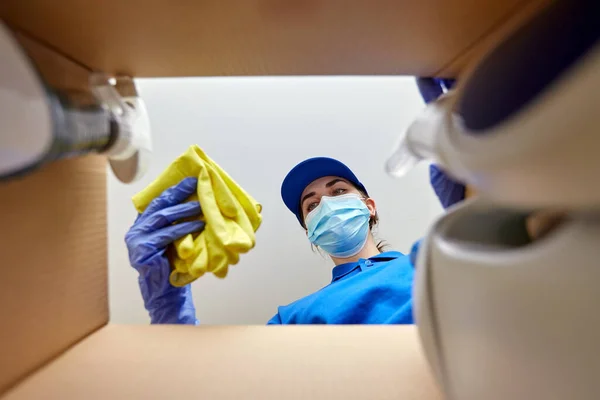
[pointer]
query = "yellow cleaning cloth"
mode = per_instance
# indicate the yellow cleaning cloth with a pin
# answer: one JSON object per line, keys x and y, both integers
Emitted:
{"x": 231, "y": 215}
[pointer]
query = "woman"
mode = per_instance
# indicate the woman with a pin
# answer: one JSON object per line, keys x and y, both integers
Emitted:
{"x": 368, "y": 286}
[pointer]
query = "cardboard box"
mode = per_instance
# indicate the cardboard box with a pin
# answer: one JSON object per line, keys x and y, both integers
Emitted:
{"x": 55, "y": 341}
{"x": 149, "y": 38}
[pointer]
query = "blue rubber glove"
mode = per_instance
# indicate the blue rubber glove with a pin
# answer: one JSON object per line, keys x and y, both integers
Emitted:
{"x": 448, "y": 191}
{"x": 147, "y": 241}
{"x": 432, "y": 88}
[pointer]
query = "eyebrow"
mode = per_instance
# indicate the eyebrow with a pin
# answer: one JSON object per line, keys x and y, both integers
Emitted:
{"x": 328, "y": 185}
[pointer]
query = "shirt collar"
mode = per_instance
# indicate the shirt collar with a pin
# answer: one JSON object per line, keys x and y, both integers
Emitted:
{"x": 344, "y": 269}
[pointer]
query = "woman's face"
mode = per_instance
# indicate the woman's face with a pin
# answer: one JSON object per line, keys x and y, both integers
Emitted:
{"x": 330, "y": 186}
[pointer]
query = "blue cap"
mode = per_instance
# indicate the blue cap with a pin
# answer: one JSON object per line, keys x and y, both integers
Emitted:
{"x": 309, "y": 171}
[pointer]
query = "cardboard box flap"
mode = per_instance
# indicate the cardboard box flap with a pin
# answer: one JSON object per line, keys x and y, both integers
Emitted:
{"x": 260, "y": 362}
{"x": 152, "y": 38}
{"x": 54, "y": 269}
{"x": 53, "y": 247}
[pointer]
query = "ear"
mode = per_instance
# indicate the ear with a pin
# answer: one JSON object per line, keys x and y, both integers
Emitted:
{"x": 371, "y": 206}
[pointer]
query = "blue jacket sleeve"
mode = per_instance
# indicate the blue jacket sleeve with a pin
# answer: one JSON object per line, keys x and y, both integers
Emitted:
{"x": 276, "y": 320}
{"x": 414, "y": 251}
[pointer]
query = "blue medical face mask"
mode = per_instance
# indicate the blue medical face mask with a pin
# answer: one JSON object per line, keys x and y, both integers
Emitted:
{"x": 339, "y": 225}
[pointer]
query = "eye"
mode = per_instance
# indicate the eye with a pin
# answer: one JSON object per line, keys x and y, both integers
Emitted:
{"x": 312, "y": 206}
{"x": 339, "y": 191}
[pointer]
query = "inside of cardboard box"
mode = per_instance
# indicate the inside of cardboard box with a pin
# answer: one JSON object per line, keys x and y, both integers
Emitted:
{"x": 130, "y": 362}
{"x": 53, "y": 247}
{"x": 144, "y": 38}
{"x": 55, "y": 341}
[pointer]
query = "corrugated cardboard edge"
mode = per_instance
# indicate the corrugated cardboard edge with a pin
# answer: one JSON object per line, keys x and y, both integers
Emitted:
{"x": 53, "y": 244}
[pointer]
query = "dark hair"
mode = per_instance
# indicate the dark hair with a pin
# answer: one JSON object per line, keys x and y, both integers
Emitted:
{"x": 373, "y": 221}
{"x": 381, "y": 244}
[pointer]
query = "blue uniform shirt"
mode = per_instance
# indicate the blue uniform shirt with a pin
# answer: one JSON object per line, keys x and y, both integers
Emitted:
{"x": 373, "y": 291}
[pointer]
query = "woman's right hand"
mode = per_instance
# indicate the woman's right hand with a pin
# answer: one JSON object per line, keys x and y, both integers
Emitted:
{"x": 147, "y": 241}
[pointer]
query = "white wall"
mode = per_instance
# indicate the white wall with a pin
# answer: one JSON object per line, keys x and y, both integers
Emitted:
{"x": 257, "y": 129}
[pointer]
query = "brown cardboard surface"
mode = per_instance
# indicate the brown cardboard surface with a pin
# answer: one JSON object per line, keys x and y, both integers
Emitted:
{"x": 56, "y": 70}
{"x": 255, "y": 362}
{"x": 263, "y": 37}
{"x": 54, "y": 263}
{"x": 469, "y": 58}
{"x": 53, "y": 247}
